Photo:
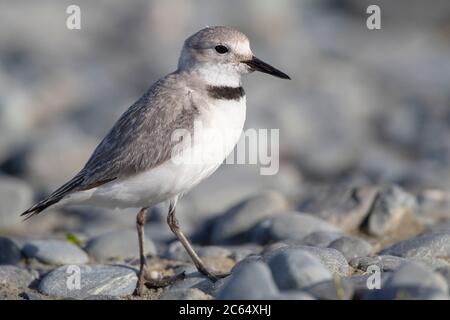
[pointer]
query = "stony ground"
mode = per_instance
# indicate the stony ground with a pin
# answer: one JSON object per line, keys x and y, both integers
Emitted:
{"x": 271, "y": 251}
{"x": 364, "y": 172}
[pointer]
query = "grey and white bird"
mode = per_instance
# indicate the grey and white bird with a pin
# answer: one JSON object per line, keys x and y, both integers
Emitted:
{"x": 134, "y": 165}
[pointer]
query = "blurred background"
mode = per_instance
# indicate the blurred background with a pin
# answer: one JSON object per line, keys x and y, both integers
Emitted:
{"x": 363, "y": 107}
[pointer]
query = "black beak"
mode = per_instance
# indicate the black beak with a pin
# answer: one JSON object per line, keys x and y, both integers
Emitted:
{"x": 258, "y": 65}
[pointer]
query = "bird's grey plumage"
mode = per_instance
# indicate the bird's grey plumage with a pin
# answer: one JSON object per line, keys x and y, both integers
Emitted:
{"x": 132, "y": 166}
{"x": 142, "y": 137}
{"x": 140, "y": 140}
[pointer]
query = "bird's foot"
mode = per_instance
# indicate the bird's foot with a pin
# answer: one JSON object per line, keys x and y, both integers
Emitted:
{"x": 212, "y": 275}
{"x": 150, "y": 279}
{"x": 162, "y": 282}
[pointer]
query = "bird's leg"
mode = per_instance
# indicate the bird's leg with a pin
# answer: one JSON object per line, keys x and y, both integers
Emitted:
{"x": 144, "y": 278}
{"x": 140, "y": 223}
{"x": 172, "y": 221}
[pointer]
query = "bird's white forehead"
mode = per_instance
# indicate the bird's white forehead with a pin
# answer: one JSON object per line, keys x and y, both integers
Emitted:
{"x": 242, "y": 47}
{"x": 219, "y": 35}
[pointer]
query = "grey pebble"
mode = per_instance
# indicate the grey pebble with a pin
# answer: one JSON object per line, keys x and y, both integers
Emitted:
{"x": 335, "y": 289}
{"x": 245, "y": 261}
{"x": 54, "y": 252}
{"x": 19, "y": 277}
{"x": 384, "y": 262}
{"x": 412, "y": 281}
{"x": 332, "y": 259}
{"x": 296, "y": 269}
{"x": 251, "y": 281}
{"x": 289, "y": 226}
{"x": 444, "y": 272}
{"x": 352, "y": 247}
{"x": 94, "y": 280}
{"x": 230, "y": 227}
{"x": 239, "y": 253}
{"x": 9, "y": 252}
{"x": 391, "y": 204}
{"x": 359, "y": 283}
{"x": 347, "y": 208}
{"x": 320, "y": 238}
{"x": 193, "y": 280}
{"x": 428, "y": 245}
{"x": 417, "y": 274}
{"x": 120, "y": 244}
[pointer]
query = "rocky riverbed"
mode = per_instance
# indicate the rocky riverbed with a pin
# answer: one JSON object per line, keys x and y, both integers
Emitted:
{"x": 360, "y": 206}
{"x": 271, "y": 250}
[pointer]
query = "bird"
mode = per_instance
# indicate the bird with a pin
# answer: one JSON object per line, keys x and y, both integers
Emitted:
{"x": 156, "y": 150}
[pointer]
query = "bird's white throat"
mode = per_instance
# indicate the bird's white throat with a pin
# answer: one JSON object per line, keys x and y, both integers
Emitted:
{"x": 222, "y": 75}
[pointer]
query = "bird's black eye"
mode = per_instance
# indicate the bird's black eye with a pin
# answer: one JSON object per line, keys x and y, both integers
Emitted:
{"x": 221, "y": 49}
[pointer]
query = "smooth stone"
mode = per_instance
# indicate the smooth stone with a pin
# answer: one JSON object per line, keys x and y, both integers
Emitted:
{"x": 335, "y": 289}
{"x": 297, "y": 269}
{"x": 231, "y": 227}
{"x": 434, "y": 208}
{"x": 239, "y": 253}
{"x": 342, "y": 207}
{"x": 352, "y": 247}
{"x": 249, "y": 282}
{"x": 120, "y": 244}
{"x": 332, "y": 259}
{"x": 320, "y": 239}
{"x": 245, "y": 261}
{"x": 432, "y": 263}
{"x": 412, "y": 281}
{"x": 15, "y": 197}
{"x": 55, "y": 252}
{"x": 184, "y": 294}
{"x": 16, "y": 276}
{"x": 417, "y": 274}
{"x": 444, "y": 272}
{"x": 384, "y": 262}
{"x": 359, "y": 283}
{"x": 94, "y": 280}
{"x": 193, "y": 280}
{"x": 428, "y": 245}
{"x": 9, "y": 252}
{"x": 388, "y": 210}
{"x": 290, "y": 226}
{"x": 392, "y": 263}
{"x": 410, "y": 293}
{"x": 276, "y": 245}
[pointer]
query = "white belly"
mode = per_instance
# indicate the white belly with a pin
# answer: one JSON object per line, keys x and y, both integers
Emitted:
{"x": 215, "y": 135}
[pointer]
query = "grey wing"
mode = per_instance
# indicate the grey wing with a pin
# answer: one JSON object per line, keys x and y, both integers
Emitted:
{"x": 140, "y": 140}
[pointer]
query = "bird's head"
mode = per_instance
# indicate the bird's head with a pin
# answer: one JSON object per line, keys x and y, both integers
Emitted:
{"x": 222, "y": 53}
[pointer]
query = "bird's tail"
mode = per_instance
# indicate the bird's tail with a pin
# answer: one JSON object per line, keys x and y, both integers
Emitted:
{"x": 53, "y": 198}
